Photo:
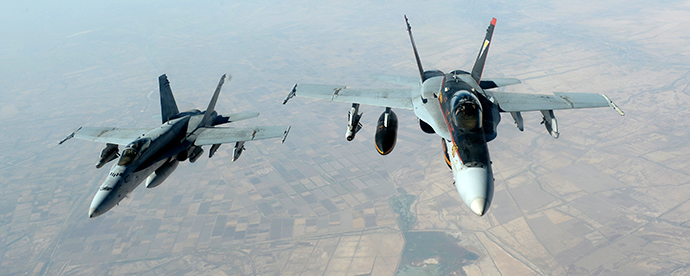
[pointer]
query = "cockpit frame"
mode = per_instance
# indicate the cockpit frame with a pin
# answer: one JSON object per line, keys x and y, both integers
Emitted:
{"x": 466, "y": 111}
{"x": 133, "y": 151}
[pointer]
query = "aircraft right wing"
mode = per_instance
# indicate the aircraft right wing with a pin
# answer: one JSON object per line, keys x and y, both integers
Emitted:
{"x": 221, "y": 135}
{"x": 112, "y": 135}
{"x": 395, "y": 98}
{"x": 517, "y": 102}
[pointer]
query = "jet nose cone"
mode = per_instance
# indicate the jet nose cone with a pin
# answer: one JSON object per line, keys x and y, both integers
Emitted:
{"x": 478, "y": 205}
{"x": 102, "y": 202}
{"x": 475, "y": 186}
{"x": 93, "y": 213}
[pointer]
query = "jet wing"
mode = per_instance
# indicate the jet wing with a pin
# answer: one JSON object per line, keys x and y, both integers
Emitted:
{"x": 516, "y": 102}
{"x": 220, "y": 135}
{"x": 120, "y": 136}
{"x": 395, "y": 98}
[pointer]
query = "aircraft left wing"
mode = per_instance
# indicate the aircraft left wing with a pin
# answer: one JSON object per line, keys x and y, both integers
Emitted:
{"x": 112, "y": 135}
{"x": 220, "y": 135}
{"x": 395, "y": 98}
{"x": 516, "y": 102}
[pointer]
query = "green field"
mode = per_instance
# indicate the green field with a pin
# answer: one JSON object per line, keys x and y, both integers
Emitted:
{"x": 447, "y": 257}
{"x": 401, "y": 205}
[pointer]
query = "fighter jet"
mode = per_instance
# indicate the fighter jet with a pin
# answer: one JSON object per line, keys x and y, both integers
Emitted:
{"x": 458, "y": 106}
{"x": 153, "y": 154}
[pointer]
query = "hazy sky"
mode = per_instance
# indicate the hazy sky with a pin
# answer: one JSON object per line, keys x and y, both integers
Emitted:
{"x": 63, "y": 65}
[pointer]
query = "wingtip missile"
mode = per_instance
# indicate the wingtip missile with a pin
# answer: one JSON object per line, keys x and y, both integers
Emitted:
{"x": 291, "y": 94}
{"x": 613, "y": 105}
{"x": 285, "y": 134}
{"x": 69, "y": 136}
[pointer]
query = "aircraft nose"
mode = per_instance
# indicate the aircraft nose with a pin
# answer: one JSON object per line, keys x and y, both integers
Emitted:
{"x": 98, "y": 205}
{"x": 477, "y": 206}
{"x": 475, "y": 186}
{"x": 93, "y": 213}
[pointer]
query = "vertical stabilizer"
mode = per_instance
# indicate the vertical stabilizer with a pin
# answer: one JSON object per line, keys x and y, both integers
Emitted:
{"x": 483, "y": 52}
{"x": 168, "y": 105}
{"x": 414, "y": 48}
{"x": 212, "y": 105}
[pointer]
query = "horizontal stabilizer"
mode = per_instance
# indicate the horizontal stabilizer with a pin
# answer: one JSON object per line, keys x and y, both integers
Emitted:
{"x": 242, "y": 116}
{"x": 497, "y": 82}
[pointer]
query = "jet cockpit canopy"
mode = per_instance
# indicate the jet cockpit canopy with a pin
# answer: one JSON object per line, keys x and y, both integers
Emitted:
{"x": 467, "y": 111}
{"x": 132, "y": 152}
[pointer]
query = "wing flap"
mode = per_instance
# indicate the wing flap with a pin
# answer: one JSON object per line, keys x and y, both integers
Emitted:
{"x": 120, "y": 136}
{"x": 516, "y": 102}
{"x": 218, "y": 135}
{"x": 395, "y": 98}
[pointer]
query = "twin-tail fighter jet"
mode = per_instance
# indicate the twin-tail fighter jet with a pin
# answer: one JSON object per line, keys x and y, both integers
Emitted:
{"x": 458, "y": 106}
{"x": 153, "y": 154}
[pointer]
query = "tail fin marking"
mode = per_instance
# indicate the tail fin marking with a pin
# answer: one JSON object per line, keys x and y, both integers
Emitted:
{"x": 483, "y": 52}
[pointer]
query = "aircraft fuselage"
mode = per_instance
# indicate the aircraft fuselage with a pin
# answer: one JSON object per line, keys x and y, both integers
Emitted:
{"x": 465, "y": 112}
{"x": 164, "y": 145}
{"x": 466, "y": 121}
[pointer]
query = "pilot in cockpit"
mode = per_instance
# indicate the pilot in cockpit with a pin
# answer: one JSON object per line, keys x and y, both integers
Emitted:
{"x": 467, "y": 114}
{"x": 132, "y": 152}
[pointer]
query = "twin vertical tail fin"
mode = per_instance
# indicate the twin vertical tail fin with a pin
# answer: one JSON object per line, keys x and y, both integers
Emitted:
{"x": 206, "y": 121}
{"x": 483, "y": 52}
{"x": 168, "y": 105}
{"x": 414, "y": 48}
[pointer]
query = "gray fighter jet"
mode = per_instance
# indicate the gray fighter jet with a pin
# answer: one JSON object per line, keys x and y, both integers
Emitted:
{"x": 458, "y": 106}
{"x": 153, "y": 154}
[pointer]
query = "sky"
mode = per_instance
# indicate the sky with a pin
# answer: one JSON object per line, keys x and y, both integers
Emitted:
{"x": 93, "y": 63}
